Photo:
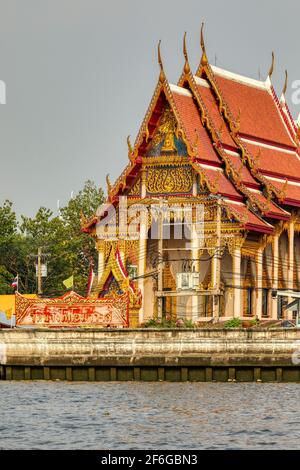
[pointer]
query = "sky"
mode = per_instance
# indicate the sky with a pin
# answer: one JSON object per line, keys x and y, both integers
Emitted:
{"x": 80, "y": 74}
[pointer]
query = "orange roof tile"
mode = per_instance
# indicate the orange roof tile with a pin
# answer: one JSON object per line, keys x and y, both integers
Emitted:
{"x": 191, "y": 120}
{"x": 273, "y": 209}
{"x": 244, "y": 172}
{"x": 222, "y": 183}
{"x": 214, "y": 113}
{"x": 291, "y": 191}
{"x": 250, "y": 220}
{"x": 273, "y": 161}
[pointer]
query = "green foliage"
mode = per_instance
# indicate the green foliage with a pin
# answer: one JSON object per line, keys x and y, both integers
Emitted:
{"x": 189, "y": 324}
{"x": 233, "y": 323}
{"x": 169, "y": 323}
{"x": 68, "y": 249}
{"x": 8, "y": 221}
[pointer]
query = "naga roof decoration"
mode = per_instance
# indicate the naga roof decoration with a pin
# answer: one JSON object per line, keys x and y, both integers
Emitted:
{"x": 231, "y": 130}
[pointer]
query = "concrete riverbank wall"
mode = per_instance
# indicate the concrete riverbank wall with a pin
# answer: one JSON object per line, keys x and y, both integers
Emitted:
{"x": 148, "y": 354}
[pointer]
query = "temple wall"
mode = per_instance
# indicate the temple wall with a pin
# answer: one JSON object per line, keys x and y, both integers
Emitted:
{"x": 226, "y": 278}
{"x": 200, "y": 354}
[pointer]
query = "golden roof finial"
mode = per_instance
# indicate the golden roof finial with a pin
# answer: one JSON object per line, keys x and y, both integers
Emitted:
{"x": 162, "y": 72}
{"x": 285, "y": 83}
{"x": 204, "y": 60}
{"x": 271, "y": 70}
{"x": 186, "y": 65}
{"x": 130, "y": 149}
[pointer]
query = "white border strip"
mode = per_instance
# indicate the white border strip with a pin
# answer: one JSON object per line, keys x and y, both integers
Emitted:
{"x": 239, "y": 78}
{"x": 201, "y": 82}
{"x": 180, "y": 90}
{"x": 267, "y": 146}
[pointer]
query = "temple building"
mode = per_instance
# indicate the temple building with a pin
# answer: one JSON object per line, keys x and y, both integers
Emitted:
{"x": 226, "y": 144}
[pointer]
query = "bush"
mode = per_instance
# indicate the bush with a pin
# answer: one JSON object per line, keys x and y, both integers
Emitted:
{"x": 168, "y": 323}
{"x": 233, "y": 323}
{"x": 255, "y": 322}
{"x": 189, "y": 324}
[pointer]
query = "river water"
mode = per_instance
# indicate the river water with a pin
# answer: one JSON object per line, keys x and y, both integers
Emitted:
{"x": 141, "y": 415}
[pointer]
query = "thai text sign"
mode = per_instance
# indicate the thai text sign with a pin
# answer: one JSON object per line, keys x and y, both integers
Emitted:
{"x": 72, "y": 310}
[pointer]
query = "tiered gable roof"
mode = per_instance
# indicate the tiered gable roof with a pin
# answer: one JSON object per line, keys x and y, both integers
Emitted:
{"x": 253, "y": 102}
{"x": 240, "y": 138}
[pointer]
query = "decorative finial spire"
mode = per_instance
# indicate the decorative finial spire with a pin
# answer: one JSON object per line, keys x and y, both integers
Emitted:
{"x": 186, "y": 65}
{"x": 272, "y": 66}
{"x": 204, "y": 60}
{"x": 130, "y": 149}
{"x": 162, "y": 72}
{"x": 285, "y": 83}
{"x": 129, "y": 144}
{"x": 109, "y": 187}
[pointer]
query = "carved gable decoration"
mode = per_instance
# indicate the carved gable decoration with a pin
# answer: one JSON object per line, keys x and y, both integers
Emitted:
{"x": 136, "y": 188}
{"x": 166, "y": 140}
{"x": 165, "y": 179}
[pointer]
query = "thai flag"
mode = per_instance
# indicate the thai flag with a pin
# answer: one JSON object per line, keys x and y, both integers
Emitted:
{"x": 15, "y": 282}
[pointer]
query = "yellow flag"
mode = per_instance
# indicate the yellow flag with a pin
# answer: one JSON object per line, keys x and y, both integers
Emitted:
{"x": 9, "y": 313}
{"x": 68, "y": 283}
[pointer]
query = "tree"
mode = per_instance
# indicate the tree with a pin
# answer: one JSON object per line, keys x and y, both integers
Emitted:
{"x": 69, "y": 249}
{"x": 8, "y": 238}
{"x": 8, "y": 221}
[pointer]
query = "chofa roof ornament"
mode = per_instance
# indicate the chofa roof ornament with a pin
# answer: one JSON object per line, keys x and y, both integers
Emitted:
{"x": 187, "y": 68}
{"x": 204, "y": 60}
{"x": 162, "y": 75}
{"x": 271, "y": 69}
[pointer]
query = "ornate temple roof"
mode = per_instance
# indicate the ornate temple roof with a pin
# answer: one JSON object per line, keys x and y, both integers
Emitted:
{"x": 240, "y": 138}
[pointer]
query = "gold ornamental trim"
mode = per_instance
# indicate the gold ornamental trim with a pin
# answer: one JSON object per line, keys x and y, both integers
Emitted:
{"x": 169, "y": 180}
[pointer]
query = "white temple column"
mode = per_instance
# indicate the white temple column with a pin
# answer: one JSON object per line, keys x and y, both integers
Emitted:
{"x": 236, "y": 278}
{"x": 274, "y": 307}
{"x": 291, "y": 235}
{"x": 122, "y": 252}
{"x": 291, "y": 238}
{"x": 160, "y": 246}
{"x": 216, "y": 265}
{"x": 259, "y": 283}
{"x": 195, "y": 189}
{"x": 142, "y": 260}
{"x": 196, "y": 266}
{"x": 143, "y": 185}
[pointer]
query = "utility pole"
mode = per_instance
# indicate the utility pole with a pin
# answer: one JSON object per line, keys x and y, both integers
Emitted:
{"x": 39, "y": 273}
{"x": 38, "y": 259}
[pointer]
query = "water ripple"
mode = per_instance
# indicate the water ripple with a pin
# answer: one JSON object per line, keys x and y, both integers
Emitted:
{"x": 124, "y": 415}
